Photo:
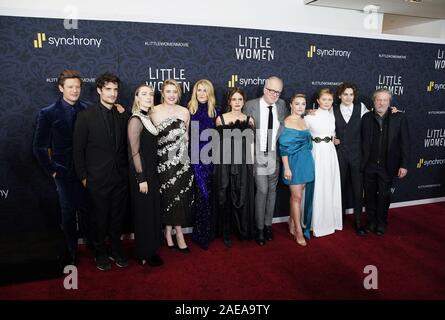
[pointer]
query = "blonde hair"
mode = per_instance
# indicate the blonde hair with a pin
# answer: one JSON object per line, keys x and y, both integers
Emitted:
{"x": 173, "y": 83}
{"x": 211, "y": 101}
{"x": 325, "y": 91}
{"x": 136, "y": 107}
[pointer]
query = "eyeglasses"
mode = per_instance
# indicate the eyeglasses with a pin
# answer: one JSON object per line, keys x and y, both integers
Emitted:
{"x": 274, "y": 92}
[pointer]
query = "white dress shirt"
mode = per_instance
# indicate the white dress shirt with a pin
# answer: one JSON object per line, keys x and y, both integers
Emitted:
{"x": 346, "y": 111}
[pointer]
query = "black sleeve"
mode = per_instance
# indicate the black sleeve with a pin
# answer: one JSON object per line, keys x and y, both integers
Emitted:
{"x": 134, "y": 135}
{"x": 42, "y": 142}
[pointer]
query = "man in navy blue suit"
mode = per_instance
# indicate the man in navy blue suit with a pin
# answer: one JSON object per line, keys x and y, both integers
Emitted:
{"x": 53, "y": 148}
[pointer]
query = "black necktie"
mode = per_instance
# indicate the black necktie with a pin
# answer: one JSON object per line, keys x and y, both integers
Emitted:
{"x": 111, "y": 123}
{"x": 269, "y": 129}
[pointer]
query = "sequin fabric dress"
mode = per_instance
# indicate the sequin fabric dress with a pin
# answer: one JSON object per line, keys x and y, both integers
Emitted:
{"x": 175, "y": 174}
{"x": 205, "y": 220}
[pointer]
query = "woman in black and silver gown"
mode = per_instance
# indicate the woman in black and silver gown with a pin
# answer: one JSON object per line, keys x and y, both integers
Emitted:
{"x": 175, "y": 174}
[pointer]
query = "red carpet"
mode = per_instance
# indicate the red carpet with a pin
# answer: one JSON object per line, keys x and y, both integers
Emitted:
{"x": 410, "y": 259}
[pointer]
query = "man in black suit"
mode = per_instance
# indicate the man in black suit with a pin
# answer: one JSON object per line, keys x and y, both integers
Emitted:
{"x": 53, "y": 148}
{"x": 348, "y": 125}
{"x": 100, "y": 158}
{"x": 385, "y": 154}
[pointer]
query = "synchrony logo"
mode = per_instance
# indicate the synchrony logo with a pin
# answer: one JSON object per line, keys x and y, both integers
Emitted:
{"x": 65, "y": 41}
{"x": 235, "y": 79}
{"x": 433, "y": 86}
{"x": 41, "y": 37}
{"x": 426, "y": 163}
{"x": 327, "y": 52}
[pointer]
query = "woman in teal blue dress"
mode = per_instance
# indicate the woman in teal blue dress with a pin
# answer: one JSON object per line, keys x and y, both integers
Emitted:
{"x": 298, "y": 167}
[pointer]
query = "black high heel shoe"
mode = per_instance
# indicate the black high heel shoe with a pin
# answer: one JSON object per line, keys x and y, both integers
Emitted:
{"x": 183, "y": 250}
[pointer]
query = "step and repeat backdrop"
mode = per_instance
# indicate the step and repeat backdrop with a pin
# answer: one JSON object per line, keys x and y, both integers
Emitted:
{"x": 35, "y": 51}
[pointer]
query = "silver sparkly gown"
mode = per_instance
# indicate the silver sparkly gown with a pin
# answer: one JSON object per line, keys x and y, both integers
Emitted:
{"x": 175, "y": 173}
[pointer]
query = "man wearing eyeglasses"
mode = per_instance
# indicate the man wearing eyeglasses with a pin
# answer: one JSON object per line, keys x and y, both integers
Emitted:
{"x": 269, "y": 112}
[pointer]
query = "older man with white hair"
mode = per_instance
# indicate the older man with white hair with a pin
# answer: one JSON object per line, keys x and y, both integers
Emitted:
{"x": 269, "y": 112}
{"x": 385, "y": 154}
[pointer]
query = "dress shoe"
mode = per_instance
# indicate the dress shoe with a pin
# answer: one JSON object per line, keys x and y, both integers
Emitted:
{"x": 102, "y": 263}
{"x": 260, "y": 238}
{"x": 268, "y": 234}
{"x": 370, "y": 228}
{"x": 155, "y": 260}
{"x": 119, "y": 259}
{"x": 359, "y": 230}
{"x": 380, "y": 231}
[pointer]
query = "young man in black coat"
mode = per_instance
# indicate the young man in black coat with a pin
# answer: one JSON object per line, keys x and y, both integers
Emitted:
{"x": 101, "y": 161}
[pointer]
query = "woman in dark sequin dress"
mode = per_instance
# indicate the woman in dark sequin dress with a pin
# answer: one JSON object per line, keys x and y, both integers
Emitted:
{"x": 203, "y": 113}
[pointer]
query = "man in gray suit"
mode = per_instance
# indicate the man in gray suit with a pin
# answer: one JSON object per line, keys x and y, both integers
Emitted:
{"x": 269, "y": 112}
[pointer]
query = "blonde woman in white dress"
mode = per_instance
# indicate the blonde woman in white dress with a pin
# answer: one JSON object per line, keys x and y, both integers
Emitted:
{"x": 327, "y": 205}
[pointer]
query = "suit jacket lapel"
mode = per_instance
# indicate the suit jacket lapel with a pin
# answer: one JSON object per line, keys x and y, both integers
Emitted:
{"x": 117, "y": 128}
{"x": 62, "y": 114}
{"x": 257, "y": 113}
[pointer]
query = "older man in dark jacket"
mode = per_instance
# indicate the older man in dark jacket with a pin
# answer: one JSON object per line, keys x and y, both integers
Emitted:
{"x": 385, "y": 154}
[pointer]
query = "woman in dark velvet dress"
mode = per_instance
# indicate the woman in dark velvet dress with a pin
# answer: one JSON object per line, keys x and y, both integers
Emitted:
{"x": 233, "y": 175}
{"x": 144, "y": 180}
{"x": 203, "y": 113}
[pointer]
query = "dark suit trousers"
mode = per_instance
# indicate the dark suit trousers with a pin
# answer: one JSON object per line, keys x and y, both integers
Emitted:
{"x": 377, "y": 194}
{"x": 74, "y": 210}
{"x": 108, "y": 208}
{"x": 351, "y": 175}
